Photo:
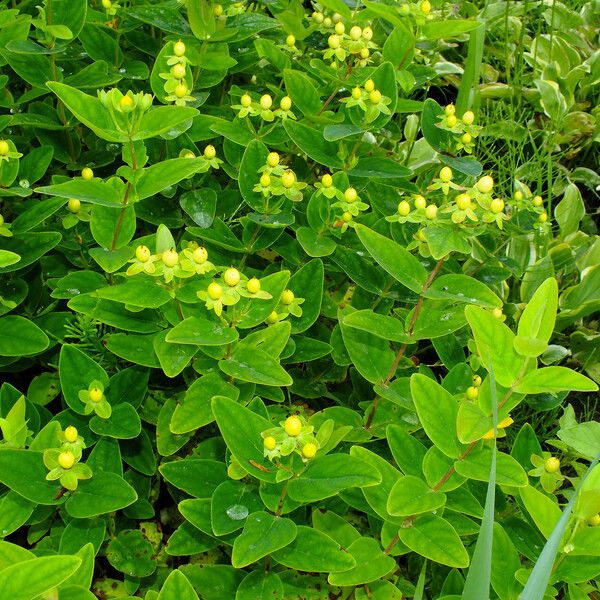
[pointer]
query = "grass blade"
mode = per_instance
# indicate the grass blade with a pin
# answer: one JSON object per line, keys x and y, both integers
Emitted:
{"x": 540, "y": 576}
{"x": 477, "y": 584}
{"x": 470, "y": 79}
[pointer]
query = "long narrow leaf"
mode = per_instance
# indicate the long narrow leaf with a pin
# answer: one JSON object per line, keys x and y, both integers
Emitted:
{"x": 540, "y": 576}
{"x": 420, "y": 587}
{"x": 470, "y": 79}
{"x": 477, "y": 585}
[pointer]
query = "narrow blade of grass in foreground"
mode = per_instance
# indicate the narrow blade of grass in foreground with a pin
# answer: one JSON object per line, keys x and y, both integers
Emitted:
{"x": 477, "y": 584}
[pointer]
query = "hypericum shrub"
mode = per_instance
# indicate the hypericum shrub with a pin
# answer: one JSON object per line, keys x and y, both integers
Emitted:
{"x": 268, "y": 328}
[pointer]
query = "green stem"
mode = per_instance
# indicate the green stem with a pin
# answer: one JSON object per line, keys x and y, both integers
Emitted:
{"x": 404, "y": 346}
{"x": 125, "y": 201}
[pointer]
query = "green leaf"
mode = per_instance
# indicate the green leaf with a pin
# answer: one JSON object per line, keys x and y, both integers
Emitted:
{"x": 200, "y": 205}
{"x": 173, "y": 358}
{"x": 77, "y": 371}
{"x": 256, "y": 366}
{"x": 165, "y": 174}
{"x": 536, "y": 323}
{"x": 554, "y": 380}
{"x": 94, "y": 192}
{"x": 570, "y": 210}
{"x": 462, "y": 288}
{"x": 311, "y": 141}
{"x": 88, "y": 110}
{"x": 435, "y": 539}
{"x": 139, "y": 291}
{"x": 495, "y": 345}
{"x": 177, "y": 587}
{"x": 307, "y": 283}
{"x": 259, "y": 584}
{"x": 383, "y": 326}
{"x": 378, "y": 168}
{"x": 15, "y": 510}
{"x": 195, "y": 410}
{"x": 262, "y": 535}
{"x": 370, "y": 354}
{"x": 105, "y": 492}
{"x": 371, "y": 564}
{"x": 255, "y": 157}
{"x": 438, "y": 139}
{"x": 444, "y": 29}
{"x": 327, "y": 475}
{"x": 241, "y": 429}
{"x": 30, "y": 247}
{"x": 302, "y": 91}
{"x": 399, "y": 47}
{"x": 23, "y": 471}
{"x": 30, "y": 578}
{"x": 395, "y": 259}
{"x": 80, "y": 532}
{"x": 21, "y": 337}
{"x": 131, "y": 553}
{"x": 163, "y": 119}
{"x": 582, "y": 437}
{"x": 202, "y": 332}
{"x": 315, "y": 552}
{"x": 197, "y": 477}
{"x": 315, "y": 244}
{"x": 442, "y": 241}
{"x": 116, "y": 315}
{"x": 231, "y": 503}
{"x": 412, "y": 496}
{"x": 137, "y": 349}
{"x": 8, "y": 258}
{"x": 438, "y": 411}
{"x": 543, "y": 509}
{"x": 377, "y": 495}
{"x": 478, "y": 464}
{"x": 35, "y": 215}
{"x": 123, "y": 424}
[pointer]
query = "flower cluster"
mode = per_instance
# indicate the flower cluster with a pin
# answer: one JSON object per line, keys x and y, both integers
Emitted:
{"x": 278, "y": 180}
{"x": 95, "y": 401}
{"x": 475, "y": 204}
{"x": 355, "y": 41}
{"x": 370, "y": 100}
{"x": 177, "y": 80}
{"x": 289, "y": 304}
{"x": 192, "y": 260}
{"x": 547, "y": 468}
{"x": 63, "y": 463}
{"x": 263, "y": 108}
{"x": 125, "y": 110}
{"x": 8, "y": 150}
{"x": 292, "y": 435}
{"x": 110, "y": 7}
{"x": 229, "y": 289}
{"x": 464, "y": 129}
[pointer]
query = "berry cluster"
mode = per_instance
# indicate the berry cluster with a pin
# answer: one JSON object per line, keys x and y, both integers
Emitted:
{"x": 370, "y": 100}
{"x": 278, "y": 180}
{"x": 292, "y": 435}
{"x": 464, "y": 129}
{"x": 229, "y": 289}
{"x": 63, "y": 462}
{"x": 95, "y": 401}
{"x": 263, "y": 108}
{"x": 289, "y": 304}
{"x": 178, "y": 78}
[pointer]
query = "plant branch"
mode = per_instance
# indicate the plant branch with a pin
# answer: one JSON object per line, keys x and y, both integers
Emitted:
{"x": 402, "y": 350}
